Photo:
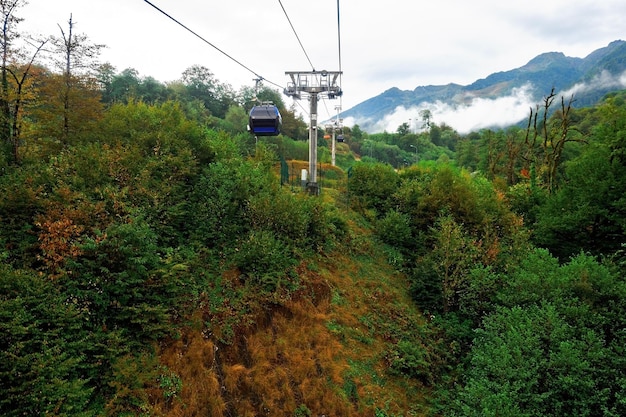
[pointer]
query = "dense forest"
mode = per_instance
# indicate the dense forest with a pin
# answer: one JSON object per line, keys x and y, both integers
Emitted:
{"x": 156, "y": 259}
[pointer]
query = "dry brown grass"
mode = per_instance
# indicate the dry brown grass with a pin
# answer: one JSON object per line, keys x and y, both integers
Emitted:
{"x": 192, "y": 358}
{"x": 291, "y": 356}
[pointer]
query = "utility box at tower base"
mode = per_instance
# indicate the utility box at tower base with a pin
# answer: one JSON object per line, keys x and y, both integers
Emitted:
{"x": 304, "y": 178}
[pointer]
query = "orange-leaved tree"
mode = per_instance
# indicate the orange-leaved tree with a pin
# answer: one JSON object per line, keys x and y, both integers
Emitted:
{"x": 70, "y": 101}
{"x": 16, "y": 86}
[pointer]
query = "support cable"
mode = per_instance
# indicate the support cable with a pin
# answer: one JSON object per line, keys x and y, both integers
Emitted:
{"x": 339, "y": 49}
{"x": 296, "y": 33}
{"x": 210, "y": 44}
{"x": 339, "y": 36}
{"x": 339, "y": 56}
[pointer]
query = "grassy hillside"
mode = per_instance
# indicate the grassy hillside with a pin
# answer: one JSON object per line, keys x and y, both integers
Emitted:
{"x": 327, "y": 350}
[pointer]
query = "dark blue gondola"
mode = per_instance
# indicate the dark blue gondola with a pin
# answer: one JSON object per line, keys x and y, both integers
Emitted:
{"x": 265, "y": 120}
{"x": 340, "y": 138}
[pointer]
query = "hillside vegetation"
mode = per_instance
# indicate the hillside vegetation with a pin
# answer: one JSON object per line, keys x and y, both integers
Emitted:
{"x": 157, "y": 260}
{"x": 158, "y": 270}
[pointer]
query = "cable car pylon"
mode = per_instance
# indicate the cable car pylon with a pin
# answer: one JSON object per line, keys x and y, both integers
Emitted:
{"x": 312, "y": 84}
{"x": 335, "y": 127}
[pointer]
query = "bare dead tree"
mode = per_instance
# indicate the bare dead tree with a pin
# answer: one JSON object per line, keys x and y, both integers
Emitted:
{"x": 513, "y": 149}
{"x": 547, "y": 136}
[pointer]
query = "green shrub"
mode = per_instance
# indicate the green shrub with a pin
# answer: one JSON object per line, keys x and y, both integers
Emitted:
{"x": 371, "y": 186}
{"x": 266, "y": 261}
{"x": 43, "y": 364}
{"x": 395, "y": 229}
{"x": 117, "y": 280}
{"x": 410, "y": 359}
{"x": 302, "y": 411}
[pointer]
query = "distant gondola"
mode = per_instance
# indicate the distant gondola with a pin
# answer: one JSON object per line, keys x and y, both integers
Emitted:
{"x": 340, "y": 138}
{"x": 265, "y": 120}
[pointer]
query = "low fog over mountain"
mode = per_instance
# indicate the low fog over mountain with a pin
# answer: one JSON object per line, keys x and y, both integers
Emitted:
{"x": 502, "y": 99}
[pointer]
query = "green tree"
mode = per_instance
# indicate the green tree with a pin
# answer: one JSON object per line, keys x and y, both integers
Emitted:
{"x": 153, "y": 91}
{"x": 428, "y": 191}
{"x": 610, "y": 125}
{"x": 532, "y": 362}
{"x": 459, "y": 223}
{"x": 452, "y": 257}
{"x": 128, "y": 86}
{"x": 251, "y": 96}
{"x": 201, "y": 84}
{"x": 371, "y": 186}
{"x": 121, "y": 87}
{"x": 237, "y": 119}
{"x": 550, "y": 346}
{"x": 427, "y": 117}
{"x": 293, "y": 125}
{"x": 218, "y": 201}
{"x": 20, "y": 205}
{"x": 587, "y": 211}
{"x": 266, "y": 260}
{"x": 395, "y": 229}
{"x": 468, "y": 152}
{"x": 157, "y": 154}
{"x": 403, "y": 129}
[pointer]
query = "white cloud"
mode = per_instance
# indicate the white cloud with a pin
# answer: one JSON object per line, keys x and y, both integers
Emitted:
{"x": 604, "y": 80}
{"x": 477, "y": 113}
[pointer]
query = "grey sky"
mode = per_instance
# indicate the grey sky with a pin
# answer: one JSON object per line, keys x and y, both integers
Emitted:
{"x": 389, "y": 43}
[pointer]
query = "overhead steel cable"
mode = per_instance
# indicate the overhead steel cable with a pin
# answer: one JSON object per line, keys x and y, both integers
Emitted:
{"x": 212, "y": 45}
{"x": 296, "y": 33}
{"x": 339, "y": 34}
{"x": 339, "y": 56}
{"x": 339, "y": 50}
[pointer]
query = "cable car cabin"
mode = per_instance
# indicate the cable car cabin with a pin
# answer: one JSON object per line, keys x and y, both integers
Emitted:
{"x": 265, "y": 120}
{"x": 339, "y": 138}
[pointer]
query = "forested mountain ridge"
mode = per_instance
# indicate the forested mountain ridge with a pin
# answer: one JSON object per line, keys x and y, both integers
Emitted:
{"x": 599, "y": 72}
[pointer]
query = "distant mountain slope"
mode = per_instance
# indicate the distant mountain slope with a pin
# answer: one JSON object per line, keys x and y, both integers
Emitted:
{"x": 588, "y": 79}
